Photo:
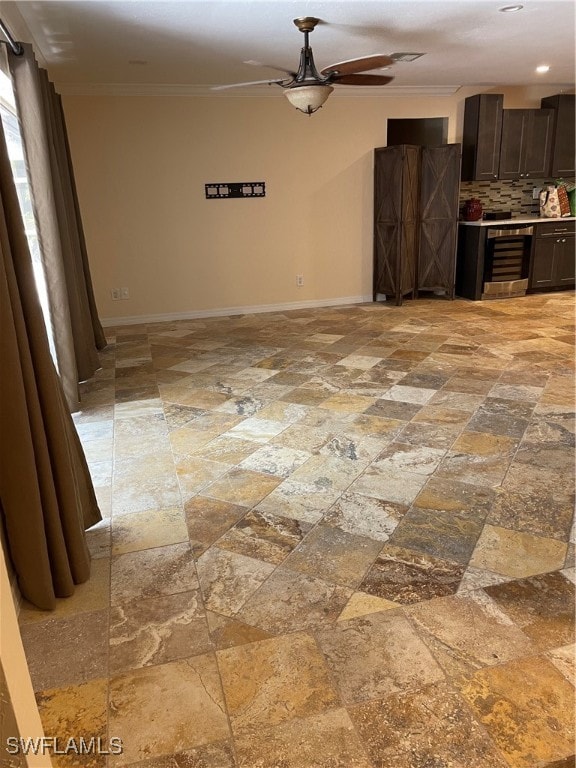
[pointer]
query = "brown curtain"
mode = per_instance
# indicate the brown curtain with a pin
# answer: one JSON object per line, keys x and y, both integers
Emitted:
{"x": 46, "y": 495}
{"x": 76, "y": 329}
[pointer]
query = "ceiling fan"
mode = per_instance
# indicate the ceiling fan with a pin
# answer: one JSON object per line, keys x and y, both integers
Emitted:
{"x": 307, "y": 89}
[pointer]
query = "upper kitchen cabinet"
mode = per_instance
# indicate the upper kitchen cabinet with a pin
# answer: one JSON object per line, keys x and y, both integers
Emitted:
{"x": 481, "y": 137}
{"x": 562, "y": 134}
{"x": 526, "y": 143}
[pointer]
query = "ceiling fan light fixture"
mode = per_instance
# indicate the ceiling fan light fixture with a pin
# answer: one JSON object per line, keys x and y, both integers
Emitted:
{"x": 308, "y": 98}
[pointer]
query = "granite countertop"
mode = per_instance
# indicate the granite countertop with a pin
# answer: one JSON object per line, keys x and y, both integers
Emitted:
{"x": 517, "y": 220}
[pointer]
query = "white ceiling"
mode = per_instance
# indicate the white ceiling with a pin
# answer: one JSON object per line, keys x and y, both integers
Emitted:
{"x": 198, "y": 43}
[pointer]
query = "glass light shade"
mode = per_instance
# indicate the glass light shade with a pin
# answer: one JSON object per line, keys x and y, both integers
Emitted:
{"x": 308, "y": 98}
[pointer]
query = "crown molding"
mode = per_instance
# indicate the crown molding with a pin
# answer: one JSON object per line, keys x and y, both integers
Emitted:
{"x": 256, "y": 91}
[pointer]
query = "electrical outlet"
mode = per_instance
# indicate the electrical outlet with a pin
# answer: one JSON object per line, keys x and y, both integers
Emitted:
{"x": 124, "y": 293}
{"x": 535, "y": 193}
{"x": 115, "y": 293}
{"x": 299, "y": 280}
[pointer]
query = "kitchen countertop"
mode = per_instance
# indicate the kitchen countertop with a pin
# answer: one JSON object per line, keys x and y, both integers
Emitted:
{"x": 517, "y": 220}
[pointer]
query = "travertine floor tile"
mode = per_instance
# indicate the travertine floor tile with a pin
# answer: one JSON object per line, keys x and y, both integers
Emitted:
{"x": 542, "y": 606}
{"x": 362, "y": 506}
{"x": 447, "y": 535}
{"x": 227, "y": 579}
{"x": 157, "y": 630}
{"x": 75, "y": 712}
{"x": 405, "y": 576}
{"x": 365, "y": 516}
{"x": 207, "y": 519}
{"x": 468, "y": 632}
{"x": 326, "y": 740}
{"x": 147, "y": 530}
{"x": 517, "y": 554}
{"x": 432, "y": 726}
{"x": 67, "y": 651}
{"x": 153, "y": 572}
{"x": 264, "y": 536}
{"x": 217, "y": 755}
{"x": 168, "y": 708}
{"x": 242, "y": 486}
{"x": 527, "y": 707}
{"x": 289, "y": 601}
{"x": 334, "y": 555}
{"x": 375, "y": 655}
{"x": 274, "y": 681}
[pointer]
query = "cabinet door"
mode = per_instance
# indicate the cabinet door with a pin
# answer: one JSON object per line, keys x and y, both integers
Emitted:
{"x": 543, "y": 267}
{"x": 563, "y": 132}
{"x": 565, "y": 269}
{"x": 526, "y": 141}
{"x": 537, "y": 139}
{"x": 514, "y": 125}
{"x": 481, "y": 137}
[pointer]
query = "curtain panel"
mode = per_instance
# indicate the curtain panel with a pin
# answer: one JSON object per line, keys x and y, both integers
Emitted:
{"x": 46, "y": 495}
{"x": 76, "y": 328}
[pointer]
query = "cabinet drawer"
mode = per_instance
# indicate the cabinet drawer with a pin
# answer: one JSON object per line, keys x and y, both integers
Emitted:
{"x": 558, "y": 228}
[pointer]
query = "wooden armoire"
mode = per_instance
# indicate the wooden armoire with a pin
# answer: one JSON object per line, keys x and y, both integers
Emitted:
{"x": 415, "y": 220}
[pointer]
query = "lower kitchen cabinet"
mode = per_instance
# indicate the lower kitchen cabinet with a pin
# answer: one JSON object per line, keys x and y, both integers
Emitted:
{"x": 553, "y": 260}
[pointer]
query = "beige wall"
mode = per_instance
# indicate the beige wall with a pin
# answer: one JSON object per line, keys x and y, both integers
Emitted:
{"x": 141, "y": 164}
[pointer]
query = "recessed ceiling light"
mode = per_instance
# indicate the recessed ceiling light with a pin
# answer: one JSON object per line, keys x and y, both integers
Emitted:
{"x": 511, "y": 8}
{"x": 543, "y": 68}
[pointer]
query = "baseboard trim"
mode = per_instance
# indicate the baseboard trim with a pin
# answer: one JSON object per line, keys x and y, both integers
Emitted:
{"x": 108, "y": 322}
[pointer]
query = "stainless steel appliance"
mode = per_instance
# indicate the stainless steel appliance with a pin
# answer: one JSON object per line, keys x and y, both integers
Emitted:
{"x": 506, "y": 261}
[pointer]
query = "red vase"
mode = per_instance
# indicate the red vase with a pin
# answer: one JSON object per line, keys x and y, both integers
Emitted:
{"x": 472, "y": 210}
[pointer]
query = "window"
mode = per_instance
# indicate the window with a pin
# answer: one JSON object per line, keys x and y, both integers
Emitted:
{"x": 15, "y": 147}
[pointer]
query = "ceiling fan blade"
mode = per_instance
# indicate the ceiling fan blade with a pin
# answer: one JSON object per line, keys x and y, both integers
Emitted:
{"x": 361, "y": 80}
{"x": 252, "y": 82}
{"x": 364, "y": 64}
{"x": 270, "y": 66}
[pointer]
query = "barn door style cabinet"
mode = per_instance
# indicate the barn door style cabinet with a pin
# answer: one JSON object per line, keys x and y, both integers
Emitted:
{"x": 396, "y": 205}
{"x": 439, "y": 187}
{"x": 415, "y": 220}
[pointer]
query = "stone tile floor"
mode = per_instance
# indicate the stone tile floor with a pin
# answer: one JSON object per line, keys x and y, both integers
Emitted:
{"x": 332, "y": 538}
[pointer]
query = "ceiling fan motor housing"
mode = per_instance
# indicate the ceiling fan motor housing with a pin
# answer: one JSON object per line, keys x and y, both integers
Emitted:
{"x": 307, "y": 73}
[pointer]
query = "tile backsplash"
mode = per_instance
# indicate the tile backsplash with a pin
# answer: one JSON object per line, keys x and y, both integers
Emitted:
{"x": 515, "y": 196}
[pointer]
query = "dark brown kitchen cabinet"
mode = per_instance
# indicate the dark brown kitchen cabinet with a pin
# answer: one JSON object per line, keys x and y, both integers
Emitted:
{"x": 415, "y": 219}
{"x": 396, "y": 206}
{"x": 552, "y": 260}
{"x": 563, "y": 134}
{"x": 526, "y": 143}
{"x": 481, "y": 137}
